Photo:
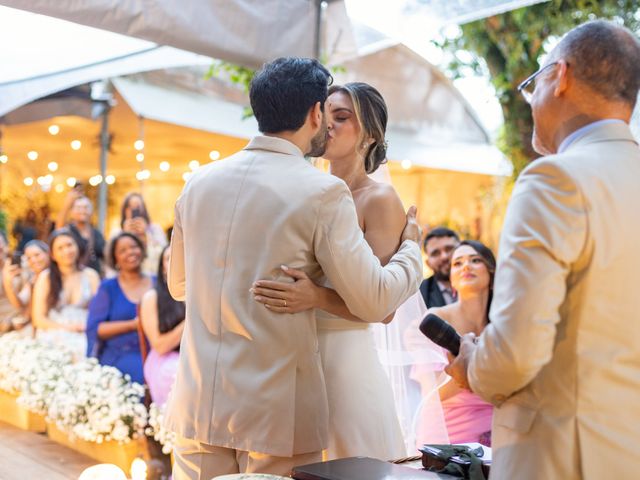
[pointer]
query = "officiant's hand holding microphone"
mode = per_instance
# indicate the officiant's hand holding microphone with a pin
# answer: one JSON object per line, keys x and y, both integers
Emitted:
{"x": 459, "y": 349}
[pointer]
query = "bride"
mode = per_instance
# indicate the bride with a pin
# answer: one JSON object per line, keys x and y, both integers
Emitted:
{"x": 362, "y": 414}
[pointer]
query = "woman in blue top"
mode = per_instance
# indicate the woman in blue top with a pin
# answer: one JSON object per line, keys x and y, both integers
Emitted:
{"x": 112, "y": 325}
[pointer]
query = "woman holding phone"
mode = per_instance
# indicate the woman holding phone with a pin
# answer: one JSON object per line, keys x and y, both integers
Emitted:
{"x": 135, "y": 219}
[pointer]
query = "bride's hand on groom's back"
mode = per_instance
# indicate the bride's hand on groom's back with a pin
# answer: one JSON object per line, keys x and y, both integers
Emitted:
{"x": 285, "y": 297}
{"x": 412, "y": 230}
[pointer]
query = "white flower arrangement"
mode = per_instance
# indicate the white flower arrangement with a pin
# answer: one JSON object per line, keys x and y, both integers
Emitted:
{"x": 98, "y": 403}
{"x": 157, "y": 430}
{"x": 86, "y": 400}
{"x": 31, "y": 369}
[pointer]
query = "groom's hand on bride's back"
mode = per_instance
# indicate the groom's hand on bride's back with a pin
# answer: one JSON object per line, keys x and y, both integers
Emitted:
{"x": 412, "y": 230}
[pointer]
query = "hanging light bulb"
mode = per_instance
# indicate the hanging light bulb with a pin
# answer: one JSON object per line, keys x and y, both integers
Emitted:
{"x": 53, "y": 166}
{"x": 194, "y": 164}
{"x": 76, "y": 144}
{"x": 214, "y": 155}
{"x": 140, "y": 157}
{"x": 138, "y": 145}
{"x": 4, "y": 158}
{"x": 71, "y": 182}
{"x": 54, "y": 129}
{"x": 28, "y": 181}
{"x": 164, "y": 166}
{"x": 110, "y": 179}
{"x": 32, "y": 155}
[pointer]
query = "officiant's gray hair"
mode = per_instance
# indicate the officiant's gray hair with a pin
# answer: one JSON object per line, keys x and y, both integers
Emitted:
{"x": 606, "y": 57}
{"x": 371, "y": 113}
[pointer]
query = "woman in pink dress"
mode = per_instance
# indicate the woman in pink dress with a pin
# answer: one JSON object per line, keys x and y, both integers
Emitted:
{"x": 473, "y": 265}
{"x": 163, "y": 323}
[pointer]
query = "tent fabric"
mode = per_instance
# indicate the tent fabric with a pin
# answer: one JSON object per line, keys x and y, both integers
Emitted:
{"x": 246, "y": 32}
{"x": 186, "y": 108}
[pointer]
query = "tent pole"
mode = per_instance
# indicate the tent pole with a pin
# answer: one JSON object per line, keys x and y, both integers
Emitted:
{"x": 105, "y": 142}
{"x": 318, "y": 37}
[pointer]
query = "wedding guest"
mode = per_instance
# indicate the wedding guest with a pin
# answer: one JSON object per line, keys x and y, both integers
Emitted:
{"x": 77, "y": 211}
{"x": 62, "y": 293}
{"x": 135, "y": 219}
{"x": 473, "y": 266}
{"x": 112, "y": 326}
{"x": 26, "y": 229}
{"x": 438, "y": 246}
{"x": 18, "y": 283}
{"x": 163, "y": 322}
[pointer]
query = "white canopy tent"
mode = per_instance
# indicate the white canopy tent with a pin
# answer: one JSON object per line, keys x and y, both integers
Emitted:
{"x": 250, "y": 32}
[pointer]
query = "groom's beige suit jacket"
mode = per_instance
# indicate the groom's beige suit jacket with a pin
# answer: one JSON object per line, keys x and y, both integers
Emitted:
{"x": 561, "y": 357}
{"x": 250, "y": 379}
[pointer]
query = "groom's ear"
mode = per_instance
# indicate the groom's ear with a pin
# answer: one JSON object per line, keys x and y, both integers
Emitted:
{"x": 316, "y": 115}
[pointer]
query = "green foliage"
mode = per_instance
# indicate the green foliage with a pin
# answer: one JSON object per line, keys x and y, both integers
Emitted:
{"x": 508, "y": 48}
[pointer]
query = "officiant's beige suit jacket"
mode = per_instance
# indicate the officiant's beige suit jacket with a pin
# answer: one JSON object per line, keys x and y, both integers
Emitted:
{"x": 561, "y": 357}
{"x": 250, "y": 379}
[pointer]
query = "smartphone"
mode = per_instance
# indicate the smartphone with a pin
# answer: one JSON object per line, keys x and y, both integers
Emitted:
{"x": 136, "y": 212}
{"x": 16, "y": 258}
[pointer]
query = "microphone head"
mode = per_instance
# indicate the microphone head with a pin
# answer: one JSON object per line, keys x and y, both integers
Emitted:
{"x": 440, "y": 333}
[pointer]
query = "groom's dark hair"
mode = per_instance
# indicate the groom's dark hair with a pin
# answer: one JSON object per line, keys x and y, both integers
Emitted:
{"x": 284, "y": 91}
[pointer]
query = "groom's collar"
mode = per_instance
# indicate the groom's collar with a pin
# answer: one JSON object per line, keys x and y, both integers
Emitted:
{"x": 273, "y": 144}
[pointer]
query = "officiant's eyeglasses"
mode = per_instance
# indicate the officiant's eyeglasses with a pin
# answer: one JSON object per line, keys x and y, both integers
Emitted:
{"x": 527, "y": 87}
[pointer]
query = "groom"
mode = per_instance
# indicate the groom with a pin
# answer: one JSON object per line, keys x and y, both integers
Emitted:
{"x": 249, "y": 393}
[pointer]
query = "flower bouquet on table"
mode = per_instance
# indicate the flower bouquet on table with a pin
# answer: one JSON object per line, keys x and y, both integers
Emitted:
{"x": 97, "y": 403}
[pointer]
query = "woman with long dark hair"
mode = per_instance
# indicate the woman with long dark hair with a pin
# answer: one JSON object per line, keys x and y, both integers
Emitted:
{"x": 112, "y": 326}
{"x": 62, "y": 293}
{"x": 473, "y": 267}
{"x": 163, "y": 323}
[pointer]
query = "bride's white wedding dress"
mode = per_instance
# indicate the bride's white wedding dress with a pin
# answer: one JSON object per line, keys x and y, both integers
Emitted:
{"x": 362, "y": 412}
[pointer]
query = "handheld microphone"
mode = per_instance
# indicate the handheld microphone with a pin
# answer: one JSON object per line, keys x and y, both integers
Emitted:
{"x": 440, "y": 333}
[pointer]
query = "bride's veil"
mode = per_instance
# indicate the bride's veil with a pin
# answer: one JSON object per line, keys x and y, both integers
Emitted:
{"x": 414, "y": 365}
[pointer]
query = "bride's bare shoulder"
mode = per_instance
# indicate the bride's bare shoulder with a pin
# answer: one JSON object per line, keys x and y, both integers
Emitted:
{"x": 382, "y": 197}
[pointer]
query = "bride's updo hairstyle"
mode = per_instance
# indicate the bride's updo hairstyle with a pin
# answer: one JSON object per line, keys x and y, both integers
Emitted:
{"x": 371, "y": 113}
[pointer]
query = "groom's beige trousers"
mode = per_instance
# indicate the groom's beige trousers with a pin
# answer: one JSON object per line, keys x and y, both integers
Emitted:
{"x": 195, "y": 460}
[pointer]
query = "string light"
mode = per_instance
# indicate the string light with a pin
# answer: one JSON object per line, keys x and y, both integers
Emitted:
{"x": 164, "y": 166}
{"x": 194, "y": 164}
{"x": 53, "y": 166}
{"x": 4, "y": 158}
{"x": 143, "y": 175}
{"x": 110, "y": 179}
{"x": 406, "y": 164}
{"x": 28, "y": 181}
{"x": 54, "y": 129}
{"x": 76, "y": 144}
{"x": 32, "y": 155}
{"x": 186, "y": 176}
{"x": 138, "y": 145}
{"x": 59, "y": 188}
{"x": 140, "y": 157}
{"x": 95, "y": 180}
{"x": 214, "y": 155}
{"x": 71, "y": 182}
